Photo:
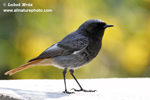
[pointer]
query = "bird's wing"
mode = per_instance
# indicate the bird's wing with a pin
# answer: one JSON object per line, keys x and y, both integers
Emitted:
{"x": 66, "y": 46}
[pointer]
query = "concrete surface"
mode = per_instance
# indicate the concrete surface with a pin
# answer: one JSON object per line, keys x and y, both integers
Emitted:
{"x": 107, "y": 89}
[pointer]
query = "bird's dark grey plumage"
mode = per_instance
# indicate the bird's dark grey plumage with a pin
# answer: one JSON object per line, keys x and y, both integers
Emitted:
{"x": 73, "y": 51}
{"x": 79, "y": 47}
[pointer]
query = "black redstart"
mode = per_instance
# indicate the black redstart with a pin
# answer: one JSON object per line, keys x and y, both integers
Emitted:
{"x": 73, "y": 51}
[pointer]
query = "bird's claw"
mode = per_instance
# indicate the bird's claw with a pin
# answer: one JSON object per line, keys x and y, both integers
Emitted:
{"x": 83, "y": 90}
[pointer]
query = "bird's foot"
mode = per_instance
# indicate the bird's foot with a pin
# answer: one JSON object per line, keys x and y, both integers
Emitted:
{"x": 83, "y": 90}
{"x": 67, "y": 92}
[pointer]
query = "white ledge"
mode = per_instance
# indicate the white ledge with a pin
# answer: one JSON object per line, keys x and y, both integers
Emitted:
{"x": 107, "y": 89}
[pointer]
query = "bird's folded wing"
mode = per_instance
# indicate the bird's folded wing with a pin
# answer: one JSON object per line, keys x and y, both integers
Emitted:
{"x": 66, "y": 46}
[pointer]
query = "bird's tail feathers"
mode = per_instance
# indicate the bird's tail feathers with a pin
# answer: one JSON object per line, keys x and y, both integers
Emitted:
{"x": 25, "y": 66}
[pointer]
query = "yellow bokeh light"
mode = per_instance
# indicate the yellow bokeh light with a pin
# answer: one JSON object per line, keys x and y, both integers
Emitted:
{"x": 135, "y": 56}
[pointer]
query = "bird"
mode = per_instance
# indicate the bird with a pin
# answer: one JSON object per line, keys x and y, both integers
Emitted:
{"x": 74, "y": 51}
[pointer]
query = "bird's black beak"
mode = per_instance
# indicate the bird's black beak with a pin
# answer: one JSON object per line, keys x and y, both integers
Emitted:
{"x": 108, "y": 26}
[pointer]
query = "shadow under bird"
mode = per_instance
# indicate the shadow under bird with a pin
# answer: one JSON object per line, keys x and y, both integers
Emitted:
{"x": 73, "y": 51}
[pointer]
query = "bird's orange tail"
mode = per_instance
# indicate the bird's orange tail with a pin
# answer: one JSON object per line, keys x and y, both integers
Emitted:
{"x": 25, "y": 66}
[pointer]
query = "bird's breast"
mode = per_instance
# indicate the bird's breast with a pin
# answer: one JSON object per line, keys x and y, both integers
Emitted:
{"x": 94, "y": 48}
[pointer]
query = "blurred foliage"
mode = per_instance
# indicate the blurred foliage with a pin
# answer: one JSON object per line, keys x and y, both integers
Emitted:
{"x": 126, "y": 47}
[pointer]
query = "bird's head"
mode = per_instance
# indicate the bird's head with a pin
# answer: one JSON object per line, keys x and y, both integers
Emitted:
{"x": 94, "y": 27}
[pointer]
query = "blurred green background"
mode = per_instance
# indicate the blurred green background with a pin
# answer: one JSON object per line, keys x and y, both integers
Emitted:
{"x": 126, "y": 47}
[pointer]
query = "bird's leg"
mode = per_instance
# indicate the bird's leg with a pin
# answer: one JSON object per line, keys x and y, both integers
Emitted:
{"x": 64, "y": 74}
{"x": 81, "y": 89}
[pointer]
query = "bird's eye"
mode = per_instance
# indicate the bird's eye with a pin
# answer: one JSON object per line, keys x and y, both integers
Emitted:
{"x": 94, "y": 25}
